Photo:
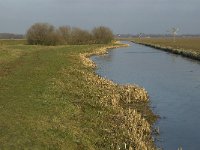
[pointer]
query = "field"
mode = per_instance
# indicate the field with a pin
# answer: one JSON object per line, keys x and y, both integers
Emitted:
{"x": 50, "y": 98}
{"x": 185, "y": 46}
{"x": 12, "y": 42}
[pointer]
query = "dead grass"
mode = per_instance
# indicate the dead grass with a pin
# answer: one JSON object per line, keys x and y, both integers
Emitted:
{"x": 51, "y": 99}
{"x": 128, "y": 128}
{"x": 189, "y": 47}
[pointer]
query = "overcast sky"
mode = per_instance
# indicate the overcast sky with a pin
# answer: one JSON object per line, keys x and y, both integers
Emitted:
{"x": 122, "y": 16}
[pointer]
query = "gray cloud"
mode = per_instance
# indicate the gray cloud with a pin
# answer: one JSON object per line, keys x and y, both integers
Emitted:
{"x": 123, "y": 16}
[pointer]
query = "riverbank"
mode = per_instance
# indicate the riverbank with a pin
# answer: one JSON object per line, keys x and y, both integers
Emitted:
{"x": 176, "y": 47}
{"x": 173, "y": 85}
{"x": 54, "y": 100}
{"x": 132, "y": 118}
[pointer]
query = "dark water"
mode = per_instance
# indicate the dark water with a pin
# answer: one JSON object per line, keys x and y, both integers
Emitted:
{"x": 173, "y": 83}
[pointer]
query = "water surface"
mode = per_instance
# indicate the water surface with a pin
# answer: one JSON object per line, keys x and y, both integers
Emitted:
{"x": 173, "y": 83}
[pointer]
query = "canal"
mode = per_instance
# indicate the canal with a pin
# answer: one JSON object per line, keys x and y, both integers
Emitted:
{"x": 173, "y": 84}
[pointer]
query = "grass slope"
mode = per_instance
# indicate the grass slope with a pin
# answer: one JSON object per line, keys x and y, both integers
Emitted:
{"x": 189, "y": 47}
{"x": 50, "y": 100}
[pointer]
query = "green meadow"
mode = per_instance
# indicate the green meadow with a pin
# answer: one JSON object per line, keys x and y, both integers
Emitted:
{"x": 39, "y": 95}
{"x": 50, "y": 98}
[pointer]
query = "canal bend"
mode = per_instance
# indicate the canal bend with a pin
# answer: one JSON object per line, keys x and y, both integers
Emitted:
{"x": 173, "y": 84}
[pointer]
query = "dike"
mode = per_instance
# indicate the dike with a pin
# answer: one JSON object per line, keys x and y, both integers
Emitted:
{"x": 130, "y": 119}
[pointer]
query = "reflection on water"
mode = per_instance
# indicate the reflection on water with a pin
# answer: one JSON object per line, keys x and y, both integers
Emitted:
{"x": 173, "y": 83}
{"x": 142, "y": 52}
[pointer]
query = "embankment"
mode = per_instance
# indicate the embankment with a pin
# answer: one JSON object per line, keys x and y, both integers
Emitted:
{"x": 129, "y": 122}
{"x": 60, "y": 103}
{"x": 183, "y": 52}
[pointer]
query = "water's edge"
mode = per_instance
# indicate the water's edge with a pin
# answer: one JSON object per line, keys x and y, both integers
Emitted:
{"x": 182, "y": 52}
{"x": 172, "y": 82}
{"x": 127, "y": 96}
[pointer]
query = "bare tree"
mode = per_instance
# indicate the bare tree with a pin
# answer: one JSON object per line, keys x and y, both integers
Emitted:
{"x": 42, "y": 34}
{"x": 46, "y": 34}
{"x": 80, "y": 36}
{"x": 65, "y": 33}
{"x": 102, "y": 35}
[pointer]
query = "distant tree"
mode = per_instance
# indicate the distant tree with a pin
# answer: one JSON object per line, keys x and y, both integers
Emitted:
{"x": 11, "y": 36}
{"x": 46, "y": 34}
{"x": 42, "y": 34}
{"x": 102, "y": 35}
{"x": 80, "y": 36}
{"x": 65, "y": 33}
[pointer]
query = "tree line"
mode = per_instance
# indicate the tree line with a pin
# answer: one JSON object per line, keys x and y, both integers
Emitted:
{"x": 47, "y": 34}
{"x": 11, "y": 36}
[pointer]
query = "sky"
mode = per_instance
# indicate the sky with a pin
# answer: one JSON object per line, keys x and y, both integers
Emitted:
{"x": 122, "y": 16}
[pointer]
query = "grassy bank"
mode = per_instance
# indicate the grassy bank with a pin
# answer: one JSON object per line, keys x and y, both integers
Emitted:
{"x": 50, "y": 98}
{"x": 188, "y": 47}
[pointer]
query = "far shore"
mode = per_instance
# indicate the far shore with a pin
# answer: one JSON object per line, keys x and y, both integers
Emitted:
{"x": 173, "y": 47}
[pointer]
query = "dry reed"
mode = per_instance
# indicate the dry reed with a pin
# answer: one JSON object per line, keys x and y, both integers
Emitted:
{"x": 126, "y": 128}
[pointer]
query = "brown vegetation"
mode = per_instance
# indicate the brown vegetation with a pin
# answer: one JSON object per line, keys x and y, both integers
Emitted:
{"x": 46, "y": 34}
{"x": 64, "y": 32}
{"x": 42, "y": 34}
{"x": 102, "y": 35}
{"x": 188, "y": 47}
{"x": 130, "y": 125}
{"x": 80, "y": 36}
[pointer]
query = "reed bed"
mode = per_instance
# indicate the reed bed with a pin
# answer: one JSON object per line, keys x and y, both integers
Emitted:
{"x": 188, "y": 47}
{"x": 127, "y": 128}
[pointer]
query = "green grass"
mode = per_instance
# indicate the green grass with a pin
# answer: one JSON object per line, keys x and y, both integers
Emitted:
{"x": 38, "y": 87}
{"x": 50, "y": 100}
{"x": 190, "y": 44}
{"x": 12, "y": 42}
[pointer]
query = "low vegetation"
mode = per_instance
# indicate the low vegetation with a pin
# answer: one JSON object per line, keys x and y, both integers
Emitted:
{"x": 46, "y": 34}
{"x": 11, "y": 36}
{"x": 12, "y": 42}
{"x": 189, "y": 47}
{"x": 50, "y": 98}
{"x": 42, "y": 34}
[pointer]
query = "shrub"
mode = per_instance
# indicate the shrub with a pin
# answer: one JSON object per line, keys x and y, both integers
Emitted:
{"x": 102, "y": 35}
{"x": 42, "y": 34}
{"x": 46, "y": 34}
{"x": 65, "y": 34}
{"x": 79, "y": 36}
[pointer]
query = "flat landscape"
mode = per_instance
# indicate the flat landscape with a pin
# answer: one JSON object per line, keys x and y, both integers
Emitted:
{"x": 187, "y": 45}
{"x": 50, "y": 98}
{"x": 90, "y": 75}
